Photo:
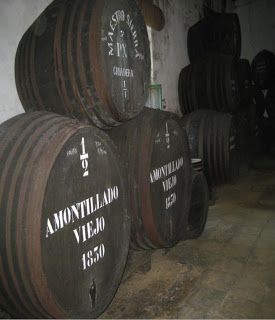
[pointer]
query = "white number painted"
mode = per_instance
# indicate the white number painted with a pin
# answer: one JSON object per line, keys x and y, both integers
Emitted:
{"x": 125, "y": 90}
{"x": 93, "y": 256}
{"x": 84, "y": 159}
{"x": 171, "y": 200}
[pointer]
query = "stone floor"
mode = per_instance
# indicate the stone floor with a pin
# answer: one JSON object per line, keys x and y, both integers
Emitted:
{"x": 227, "y": 273}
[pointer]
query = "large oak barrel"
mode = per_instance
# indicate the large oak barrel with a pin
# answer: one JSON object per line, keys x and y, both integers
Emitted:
{"x": 259, "y": 101}
{"x": 263, "y": 69}
{"x": 213, "y": 137}
{"x": 64, "y": 222}
{"x": 245, "y": 123}
{"x": 267, "y": 134}
{"x": 210, "y": 83}
{"x": 218, "y": 33}
{"x": 270, "y": 101}
{"x": 245, "y": 82}
{"x": 156, "y": 152}
{"x": 89, "y": 59}
{"x": 199, "y": 202}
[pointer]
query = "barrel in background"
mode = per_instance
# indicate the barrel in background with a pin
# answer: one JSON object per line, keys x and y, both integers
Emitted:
{"x": 270, "y": 101}
{"x": 198, "y": 212}
{"x": 259, "y": 101}
{"x": 213, "y": 137}
{"x": 210, "y": 83}
{"x": 245, "y": 121}
{"x": 89, "y": 59}
{"x": 218, "y": 33}
{"x": 156, "y": 152}
{"x": 245, "y": 82}
{"x": 263, "y": 69}
{"x": 64, "y": 228}
{"x": 266, "y": 127}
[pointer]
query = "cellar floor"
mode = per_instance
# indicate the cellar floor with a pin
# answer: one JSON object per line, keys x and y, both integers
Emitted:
{"x": 227, "y": 273}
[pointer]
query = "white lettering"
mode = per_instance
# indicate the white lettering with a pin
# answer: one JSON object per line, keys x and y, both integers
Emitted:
{"x": 166, "y": 170}
{"x": 80, "y": 211}
{"x": 123, "y": 72}
{"x": 169, "y": 183}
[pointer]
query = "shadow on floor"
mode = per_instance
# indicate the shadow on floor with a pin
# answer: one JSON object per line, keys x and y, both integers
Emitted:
{"x": 227, "y": 273}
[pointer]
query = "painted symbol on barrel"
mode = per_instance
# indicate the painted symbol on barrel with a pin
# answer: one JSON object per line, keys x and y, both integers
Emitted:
{"x": 84, "y": 159}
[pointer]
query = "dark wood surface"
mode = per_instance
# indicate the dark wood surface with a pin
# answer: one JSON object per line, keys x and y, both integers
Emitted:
{"x": 198, "y": 213}
{"x": 263, "y": 69}
{"x": 89, "y": 59}
{"x": 210, "y": 83}
{"x": 245, "y": 82}
{"x": 65, "y": 225}
{"x": 213, "y": 137}
{"x": 150, "y": 143}
{"x": 218, "y": 33}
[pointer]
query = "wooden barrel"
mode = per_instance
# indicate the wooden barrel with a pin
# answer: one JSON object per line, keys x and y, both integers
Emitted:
{"x": 270, "y": 102}
{"x": 64, "y": 220}
{"x": 89, "y": 59}
{"x": 218, "y": 33}
{"x": 263, "y": 69}
{"x": 210, "y": 83}
{"x": 267, "y": 134}
{"x": 156, "y": 152}
{"x": 213, "y": 137}
{"x": 245, "y": 82}
{"x": 199, "y": 202}
{"x": 245, "y": 124}
{"x": 259, "y": 101}
{"x": 153, "y": 15}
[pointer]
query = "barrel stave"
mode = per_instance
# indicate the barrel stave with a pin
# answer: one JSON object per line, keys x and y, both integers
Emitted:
{"x": 42, "y": 271}
{"x": 213, "y": 137}
{"x": 212, "y": 84}
{"x": 86, "y": 59}
{"x": 152, "y": 141}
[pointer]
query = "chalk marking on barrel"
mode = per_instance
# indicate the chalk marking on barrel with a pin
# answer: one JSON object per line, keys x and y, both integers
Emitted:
{"x": 84, "y": 158}
{"x": 125, "y": 90}
{"x": 117, "y": 17}
{"x": 80, "y": 210}
{"x": 72, "y": 152}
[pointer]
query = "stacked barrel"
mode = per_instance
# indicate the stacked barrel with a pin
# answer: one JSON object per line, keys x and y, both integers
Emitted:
{"x": 65, "y": 217}
{"x": 85, "y": 59}
{"x": 215, "y": 95}
{"x": 216, "y": 33}
{"x": 72, "y": 196}
{"x": 156, "y": 153}
{"x": 64, "y": 229}
{"x": 213, "y": 138}
{"x": 263, "y": 72}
